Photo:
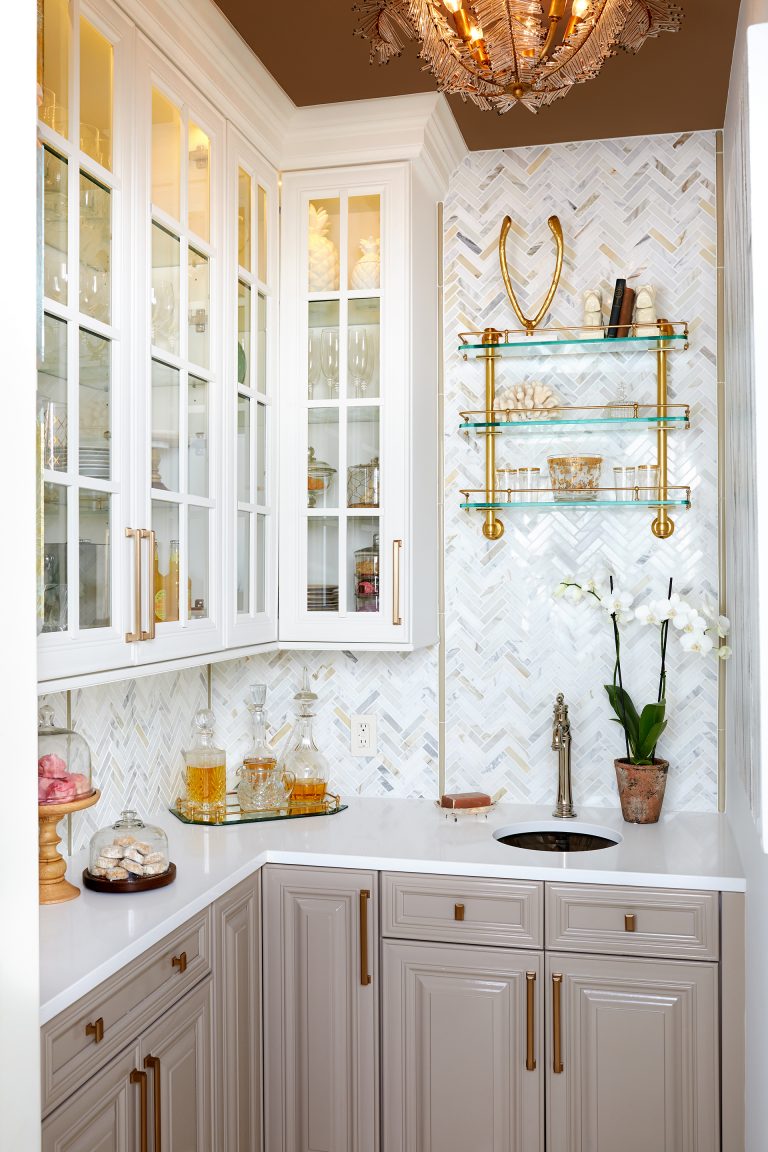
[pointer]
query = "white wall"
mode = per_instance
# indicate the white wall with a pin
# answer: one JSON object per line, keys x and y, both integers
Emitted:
{"x": 19, "y": 1036}
{"x": 746, "y": 283}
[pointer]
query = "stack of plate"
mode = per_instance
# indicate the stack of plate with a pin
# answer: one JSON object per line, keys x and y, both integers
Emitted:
{"x": 95, "y": 462}
{"x": 322, "y": 597}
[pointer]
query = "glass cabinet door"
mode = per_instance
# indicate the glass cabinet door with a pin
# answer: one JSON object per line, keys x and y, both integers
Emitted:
{"x": 346, "y": 485}
{"x": 80, "y": 348}
{"x": 252, "y": 585}
{"x": 179, "y": 490}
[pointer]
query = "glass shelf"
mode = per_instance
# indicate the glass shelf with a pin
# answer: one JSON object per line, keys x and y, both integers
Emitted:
{"x": 583, "y": 418}
{"x": 549, "y": 341}
{"x": 533, "y": 505}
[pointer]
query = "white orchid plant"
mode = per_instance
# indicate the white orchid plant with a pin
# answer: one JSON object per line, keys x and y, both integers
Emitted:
{"x": 698, "y": 632}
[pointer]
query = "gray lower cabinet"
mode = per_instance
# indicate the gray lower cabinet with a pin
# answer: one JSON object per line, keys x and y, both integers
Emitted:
{"x": 156, "y": 1095}
{"x": 320, "y": 1009}
{"x": 634, "y": 1055}
{"x": 237, "y": 968}
{"x": 463, "y": 1049}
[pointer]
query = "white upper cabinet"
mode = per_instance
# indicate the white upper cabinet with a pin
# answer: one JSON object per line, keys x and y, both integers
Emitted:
{"x": 352, "y": 488}
{"x": 157, "y": 360}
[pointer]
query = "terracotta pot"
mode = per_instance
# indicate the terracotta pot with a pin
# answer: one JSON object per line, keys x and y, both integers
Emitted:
{"x": 641, "y": 790}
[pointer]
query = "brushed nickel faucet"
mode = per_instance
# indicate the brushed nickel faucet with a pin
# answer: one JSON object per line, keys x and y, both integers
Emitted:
{"x": 561, "y": 743}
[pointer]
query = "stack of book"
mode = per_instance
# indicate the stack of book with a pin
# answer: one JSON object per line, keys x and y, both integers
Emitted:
{"x": 620, "y": 323}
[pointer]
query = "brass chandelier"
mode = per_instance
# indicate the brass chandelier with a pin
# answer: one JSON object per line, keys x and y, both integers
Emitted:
{"x": 499, "y": 53}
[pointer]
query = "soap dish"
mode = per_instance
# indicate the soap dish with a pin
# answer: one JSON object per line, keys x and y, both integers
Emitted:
{"x": 472, "y": 809}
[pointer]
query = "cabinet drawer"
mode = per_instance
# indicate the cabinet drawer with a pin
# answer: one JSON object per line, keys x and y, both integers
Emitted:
{"x": 464, "y": 909}
{"x": 632, "y": 921}
{"x": 125, "y": 1003}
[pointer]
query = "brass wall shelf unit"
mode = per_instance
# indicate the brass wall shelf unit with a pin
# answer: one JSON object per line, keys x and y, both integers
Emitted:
{"x": 492, "y": 344}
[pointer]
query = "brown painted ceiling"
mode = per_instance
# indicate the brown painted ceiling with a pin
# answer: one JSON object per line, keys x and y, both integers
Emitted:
{"x": 676, "y": 82}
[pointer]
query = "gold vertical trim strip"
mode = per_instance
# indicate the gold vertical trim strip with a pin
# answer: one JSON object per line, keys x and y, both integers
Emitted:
{"x": 722, "y": 670}
{"x": 441, "y": 645}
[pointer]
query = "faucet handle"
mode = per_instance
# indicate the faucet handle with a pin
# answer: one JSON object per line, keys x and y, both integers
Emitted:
{"x": 560, "y": 709}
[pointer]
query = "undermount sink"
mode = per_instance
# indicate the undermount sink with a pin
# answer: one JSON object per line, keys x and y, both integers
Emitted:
{"x": 557, "y": 836}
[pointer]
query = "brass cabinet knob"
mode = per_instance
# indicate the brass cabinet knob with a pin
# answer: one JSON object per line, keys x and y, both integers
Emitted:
{"x": 96, "y": 1030}
{"x": 458, "y": 911}
{"x": 179, "y": 962}
{"x": 629, "y": 922}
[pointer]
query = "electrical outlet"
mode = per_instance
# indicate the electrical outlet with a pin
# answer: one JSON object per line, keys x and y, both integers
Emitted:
{"x": 362, "y": 735}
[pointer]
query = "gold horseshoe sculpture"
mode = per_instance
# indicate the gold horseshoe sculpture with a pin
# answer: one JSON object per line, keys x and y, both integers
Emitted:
{"x": 557, "y": 232}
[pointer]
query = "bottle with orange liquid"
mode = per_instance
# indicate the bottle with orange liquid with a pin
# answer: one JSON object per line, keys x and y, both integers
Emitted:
{"x": 302, "y": 758}
{"x": 205, "y": 776}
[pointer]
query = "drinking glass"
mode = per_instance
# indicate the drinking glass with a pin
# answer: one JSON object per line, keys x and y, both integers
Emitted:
{"x": 506, "y": 480}
{"x": 648, "y": 481}
{"x": 624, "y": 478}
{"x": 329, "y": 359}
{"x": 528, "y": 483}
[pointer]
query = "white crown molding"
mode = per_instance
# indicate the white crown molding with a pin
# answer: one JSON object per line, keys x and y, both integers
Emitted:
{"x": 226, "y": 69}
{"x": 419, "y": 126}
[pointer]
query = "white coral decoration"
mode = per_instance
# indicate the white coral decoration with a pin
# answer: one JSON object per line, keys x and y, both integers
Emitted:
{"x": 528, "y": 401}
{"x": 323, "y": 254}
{"x": 593, "y": 307}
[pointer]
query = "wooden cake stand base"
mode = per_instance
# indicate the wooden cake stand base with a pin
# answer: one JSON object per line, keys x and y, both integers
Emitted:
{"x": 54, "y": 889}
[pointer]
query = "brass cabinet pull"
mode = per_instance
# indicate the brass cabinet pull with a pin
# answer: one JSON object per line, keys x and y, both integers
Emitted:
{"x": 179, "y": 962}
{"x": 458, "y": 911}
{"x": 153, "y": 1063}
{"x": 397, "y": 546}
{"x": 557, "y": 1056}
{"x": 365, "y": 977}
{"x": 151, "y": 535}
{"x": 629, "y": 921}
{"x": 530, "y": 1006}
{"x": 132, "y": 637}
{"x": 96, "y": 1030}
{"x": 140, "y": 1078}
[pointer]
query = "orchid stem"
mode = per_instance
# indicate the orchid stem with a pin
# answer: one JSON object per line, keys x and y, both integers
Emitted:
{"x": 617, "y": 673}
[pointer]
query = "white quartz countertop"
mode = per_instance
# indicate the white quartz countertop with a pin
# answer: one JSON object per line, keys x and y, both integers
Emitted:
{"x": 86, "y": 940}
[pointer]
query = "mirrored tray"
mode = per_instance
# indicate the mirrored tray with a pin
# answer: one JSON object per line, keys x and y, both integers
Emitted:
{"x": 328, "y": 806}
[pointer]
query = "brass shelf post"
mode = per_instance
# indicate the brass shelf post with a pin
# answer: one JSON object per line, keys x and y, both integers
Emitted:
{"x": 663, "y": 525}
{"x": 493, "y": 528}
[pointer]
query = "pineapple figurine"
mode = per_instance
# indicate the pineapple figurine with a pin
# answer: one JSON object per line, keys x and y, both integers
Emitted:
{"x": 365, "y": 273}
{"x": 323, "y": 254}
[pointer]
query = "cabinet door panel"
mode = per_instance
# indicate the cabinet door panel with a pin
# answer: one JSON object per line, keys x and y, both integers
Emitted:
{"x": 103, "y": 1116}
{"x": 183, "y": 1043}
{"x": 238, "y": 1022}
{"x": 640, "y": 1056}
{"x": 320, "y": 1020}
{"x": 454, "y": 1050}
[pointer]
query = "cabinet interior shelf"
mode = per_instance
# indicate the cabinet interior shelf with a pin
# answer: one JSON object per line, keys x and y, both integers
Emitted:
{"x": 547, "y": 341}
{"x": 628, "y": 414}
{"x": 507, "y": 500}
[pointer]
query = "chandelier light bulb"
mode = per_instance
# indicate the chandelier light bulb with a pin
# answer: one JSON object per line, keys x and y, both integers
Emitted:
{"x": 531, "y": 52}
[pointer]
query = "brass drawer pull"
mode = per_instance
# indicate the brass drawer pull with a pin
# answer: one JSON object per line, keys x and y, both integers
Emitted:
{"x": 557, "y": 1056}
{"x": 629, "y": 921}
{"x": 153, "y": 1063}
{"x": 132, "y": 637}
{"x": 151, "y": 535}
{"x": 140, "y": 1078}
{"x": 458, "y": 911}
{"x": 530, "y": 997}
{"x": 397, "y": 546}
{"x": 179, "y": 962}
{"x": 365, "y": 977}
{"x": 96, "y": 1030}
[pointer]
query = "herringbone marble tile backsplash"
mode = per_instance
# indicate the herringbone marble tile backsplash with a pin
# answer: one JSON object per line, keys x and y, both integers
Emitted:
{"x": 641, "y": 208}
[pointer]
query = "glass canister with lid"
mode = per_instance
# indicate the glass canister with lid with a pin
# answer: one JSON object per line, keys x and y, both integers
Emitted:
{"x": 129, "y": 853}
{"x": 63, "y": 762}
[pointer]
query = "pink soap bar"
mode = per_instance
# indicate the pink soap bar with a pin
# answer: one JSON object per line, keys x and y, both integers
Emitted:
{"x": 465, "y": 800}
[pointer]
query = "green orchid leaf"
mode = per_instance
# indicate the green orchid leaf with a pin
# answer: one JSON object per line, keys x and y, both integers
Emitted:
{"x": 626, "y": 712}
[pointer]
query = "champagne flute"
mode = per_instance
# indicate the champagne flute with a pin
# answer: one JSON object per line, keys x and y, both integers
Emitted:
{"x": 358, "y": 358}
{"x": 329, "y": 359}
{"x": 314, "y": 371}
